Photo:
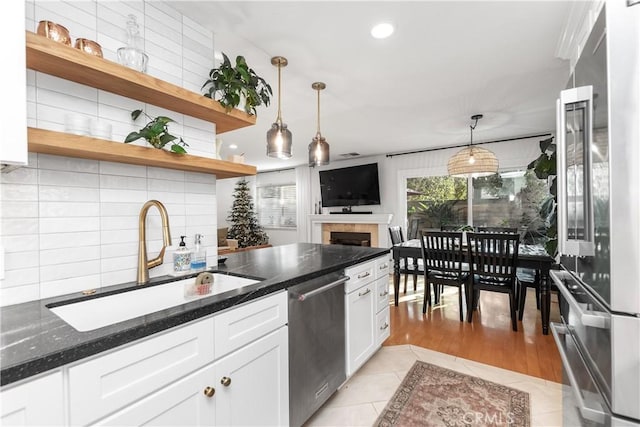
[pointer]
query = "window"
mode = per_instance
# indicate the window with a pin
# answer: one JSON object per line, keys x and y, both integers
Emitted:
{"x": 507, "y": 199}
{"x": 437, "y": 201}
{"x": 277, "y": 206}
{"x": 510, "y": 199}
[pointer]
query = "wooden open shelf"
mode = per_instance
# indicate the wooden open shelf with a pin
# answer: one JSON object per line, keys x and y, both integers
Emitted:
{"x": 64, "y": 144}
{"x": 59, "y": 60}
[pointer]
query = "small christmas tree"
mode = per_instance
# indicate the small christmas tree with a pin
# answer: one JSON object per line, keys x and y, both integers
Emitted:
{"x": 245, "y": 227}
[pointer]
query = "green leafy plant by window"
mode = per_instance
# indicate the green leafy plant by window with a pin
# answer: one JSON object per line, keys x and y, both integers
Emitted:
{"x": 228, "y": 84}
{"x": 156, "y": 133}
{"x": 545, "y": 168}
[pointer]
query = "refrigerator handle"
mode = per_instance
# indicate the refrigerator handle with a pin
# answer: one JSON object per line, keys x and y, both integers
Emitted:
{"x": 586, "y": 412}
{"x": 596, "y": 319}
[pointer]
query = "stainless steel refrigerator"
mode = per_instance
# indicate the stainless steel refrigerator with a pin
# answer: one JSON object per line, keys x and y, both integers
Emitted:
{"x": 598, "y": 142}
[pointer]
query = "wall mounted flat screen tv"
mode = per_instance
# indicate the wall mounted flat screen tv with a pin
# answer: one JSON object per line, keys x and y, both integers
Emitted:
{"x": 352, "y": 186}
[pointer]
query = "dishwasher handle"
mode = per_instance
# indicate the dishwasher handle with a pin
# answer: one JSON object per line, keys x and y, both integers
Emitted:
{"x": 340, "y": 281}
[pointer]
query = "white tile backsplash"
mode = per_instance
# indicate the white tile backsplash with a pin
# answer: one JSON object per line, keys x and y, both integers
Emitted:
{"x": 64, "y": 225}
{"x": 71, "y": 224}
{"x": 51, "y": 288}
{"x": 69, "y": 240}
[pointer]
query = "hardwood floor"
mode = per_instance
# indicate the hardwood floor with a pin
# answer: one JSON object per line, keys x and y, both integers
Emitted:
{"x": 489, "y": 339}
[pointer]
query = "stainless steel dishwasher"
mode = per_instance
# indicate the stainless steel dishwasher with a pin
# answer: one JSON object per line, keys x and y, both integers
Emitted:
{"x": 317, "y": 364}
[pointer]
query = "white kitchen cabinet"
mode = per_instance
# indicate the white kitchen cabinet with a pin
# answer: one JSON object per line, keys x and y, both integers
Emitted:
{"x": 367, "y": 310}
{"x": 252, "y": 384}
{"x": 36, "y": 402}
{"x": 13, "y": 125}
{"x": 242, "y": 325}
{"x": 382, "y": 326}
{"x": 109, "y": 382}
{"x": 190, "y": 401}
{"x": 248, "y": 387}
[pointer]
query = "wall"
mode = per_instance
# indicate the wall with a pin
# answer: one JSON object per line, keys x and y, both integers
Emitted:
{"x": 72, "y": 224}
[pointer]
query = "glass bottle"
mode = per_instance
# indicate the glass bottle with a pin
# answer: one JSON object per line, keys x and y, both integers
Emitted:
{"x": 132, "y": 55}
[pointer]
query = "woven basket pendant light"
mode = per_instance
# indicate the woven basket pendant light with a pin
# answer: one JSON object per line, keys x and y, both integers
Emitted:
{"x": 319, "y": 147}
{"x": 473, "y": 161}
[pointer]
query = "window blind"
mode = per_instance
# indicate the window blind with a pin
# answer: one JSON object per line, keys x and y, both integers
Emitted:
{"x": 277, "y": 206}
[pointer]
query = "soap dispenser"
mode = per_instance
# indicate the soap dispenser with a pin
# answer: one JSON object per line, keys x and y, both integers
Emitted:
{"x": 199, "y": 257}
{"x": 182, "y": 257}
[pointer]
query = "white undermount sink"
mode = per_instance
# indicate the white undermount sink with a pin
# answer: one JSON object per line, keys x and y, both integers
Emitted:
{"x": 103, "y": 311}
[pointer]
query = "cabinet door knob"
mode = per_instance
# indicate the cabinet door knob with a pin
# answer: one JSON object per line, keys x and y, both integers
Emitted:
{"x": 209, "y": 391}
{"x": 225, "y": 381}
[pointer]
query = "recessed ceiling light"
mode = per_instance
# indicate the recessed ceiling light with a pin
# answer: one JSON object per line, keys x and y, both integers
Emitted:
{"x": 382, "y": 30}
{"x": 233, "y": 146}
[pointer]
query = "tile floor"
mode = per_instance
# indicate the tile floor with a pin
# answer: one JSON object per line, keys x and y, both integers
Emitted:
{"x": 364, "y": 396}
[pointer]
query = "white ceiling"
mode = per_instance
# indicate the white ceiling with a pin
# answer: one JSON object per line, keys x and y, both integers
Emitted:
{"x": 417, "y": 89}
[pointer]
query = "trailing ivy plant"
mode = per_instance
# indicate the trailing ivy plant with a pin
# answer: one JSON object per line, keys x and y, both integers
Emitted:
{"x": 156, "y": 133}
{"x": 228, "y": 84}
{"x": 545, "y": 168}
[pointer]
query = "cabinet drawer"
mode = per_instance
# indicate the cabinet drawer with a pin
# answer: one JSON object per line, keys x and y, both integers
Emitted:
{"x": 359, "y": 275}
{"x": 383, "y": 326}
{"x": 383, "y": 267}
{"x": 34, "y": 402}
{"x": 107, "y": 383}
{"x": 382, "y": 293}
{"x": 246, "y": 323}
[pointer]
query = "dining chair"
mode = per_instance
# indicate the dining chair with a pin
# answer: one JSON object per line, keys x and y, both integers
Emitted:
{"x": 443, "y": 259}
{"x": 497, "y": 229}
{"x": 412, "y": 231}
{"x": 450, "y": 227}
{"x": 493, "y": 259}
{"x": 406, "y": 263}
{"x": 527, "y": 278}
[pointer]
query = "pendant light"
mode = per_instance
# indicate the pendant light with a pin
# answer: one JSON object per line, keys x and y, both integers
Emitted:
{"x": 279, "y": 138}
{"x": 319, "y": 148}
{"x": 473, "y": 161}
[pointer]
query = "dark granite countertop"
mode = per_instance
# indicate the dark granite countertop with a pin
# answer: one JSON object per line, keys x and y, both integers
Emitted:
{"x": 34, "y": 340}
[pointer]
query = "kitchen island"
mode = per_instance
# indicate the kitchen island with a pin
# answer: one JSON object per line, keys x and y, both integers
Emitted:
{"x": 34, "y": 340}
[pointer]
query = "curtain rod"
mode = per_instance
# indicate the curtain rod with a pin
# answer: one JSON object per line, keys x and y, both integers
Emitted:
{"x": 425, "y": 150}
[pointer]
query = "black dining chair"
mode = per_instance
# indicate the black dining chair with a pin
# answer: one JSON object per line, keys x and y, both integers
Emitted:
{"x": 406, "y": 264}
{"x": 412, "y": 231}
{"x": 450, "y": 227}
{"x": 527, "y": 278}
{"x": 442, "y": 256}
{"x": 493, "y": 259}
{"x": 497, "y": 229}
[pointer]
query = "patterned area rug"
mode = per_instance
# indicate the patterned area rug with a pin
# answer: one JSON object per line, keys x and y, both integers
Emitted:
{"x": 433, "y": 396}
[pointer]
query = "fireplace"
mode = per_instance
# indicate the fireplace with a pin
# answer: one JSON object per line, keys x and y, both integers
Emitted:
{"x": 350, "y": 238}
{"x": 375, "y": 225}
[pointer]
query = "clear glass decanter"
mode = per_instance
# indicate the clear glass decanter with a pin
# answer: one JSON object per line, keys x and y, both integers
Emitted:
{"x": 132, "y": 55}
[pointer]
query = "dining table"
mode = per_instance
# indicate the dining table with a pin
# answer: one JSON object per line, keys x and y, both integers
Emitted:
{"x": 529, "y": 256}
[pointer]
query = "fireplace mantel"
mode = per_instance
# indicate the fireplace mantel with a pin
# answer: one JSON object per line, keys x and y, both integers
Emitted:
{"x": 381, "y": 220}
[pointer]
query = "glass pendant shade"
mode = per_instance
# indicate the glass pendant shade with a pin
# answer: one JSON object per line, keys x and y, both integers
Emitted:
{"x": 473, "y": 161}
{"x": 319, "y": 147}
{"x": 318, "y": 151}
{"x": 279, "y": 138}
{"x": 279, "y": 141}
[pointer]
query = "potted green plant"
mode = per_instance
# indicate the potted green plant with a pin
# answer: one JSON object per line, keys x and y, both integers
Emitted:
{"x": 229, "y": 85}
{"x": 545, "y": 168}
{"x": 156, "y": 133}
